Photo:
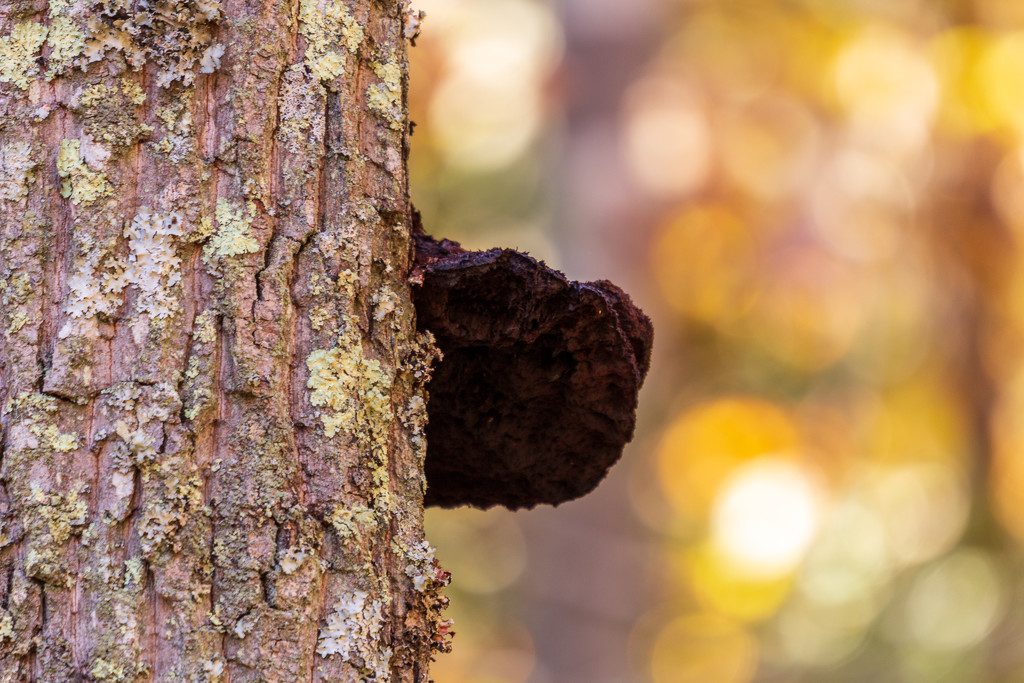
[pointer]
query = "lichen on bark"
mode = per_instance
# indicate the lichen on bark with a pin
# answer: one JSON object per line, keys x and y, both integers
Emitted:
{"x": 185, "y": 222}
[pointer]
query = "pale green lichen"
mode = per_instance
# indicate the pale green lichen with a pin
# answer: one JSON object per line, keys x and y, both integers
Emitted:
{"x": 329, "y": 29}
{"x": 422, "y": 567}
{"x": 66, "y": 42}
{"x": 233, "y": 236}
{"x": 385, "y": 97}
{"x": 14, "y": 294}
{"x": 152, "y": 267}
{"x": 354, "y": 631}
{"x": 353, "y": 392}
{"x": 16, "y": 164}
{"x": 198, "y": 382}
{"x": 79, "y": 183}
{"x": 18, "y": 53}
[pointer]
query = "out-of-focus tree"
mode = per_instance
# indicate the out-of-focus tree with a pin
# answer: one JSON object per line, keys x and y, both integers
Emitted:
{"x": 820, "y": 203}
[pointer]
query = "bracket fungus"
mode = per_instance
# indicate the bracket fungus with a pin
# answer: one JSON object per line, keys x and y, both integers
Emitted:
{"x": 536, "y": 394}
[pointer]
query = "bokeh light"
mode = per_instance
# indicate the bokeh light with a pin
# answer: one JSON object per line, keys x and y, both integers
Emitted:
{"x": 766, "y": 515}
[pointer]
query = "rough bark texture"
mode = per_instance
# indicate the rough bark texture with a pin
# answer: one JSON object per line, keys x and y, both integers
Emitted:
{"x": 210, "y": 377}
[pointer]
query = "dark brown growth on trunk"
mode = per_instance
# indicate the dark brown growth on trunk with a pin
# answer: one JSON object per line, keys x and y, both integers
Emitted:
{"x": 537, "y": 392}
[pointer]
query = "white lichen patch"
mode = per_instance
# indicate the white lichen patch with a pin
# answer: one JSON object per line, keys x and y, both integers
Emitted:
{"x": 353, "y": 631}
{"x": 385, "y": 303}
{"x": 173, "y": 36}
{"x": 94, "y": 289}
{"x": 153, "y": 265}
{"x": 18, "y": 53}
{"x": 422, "y": 567}
{"x": 329, "y": 29}
{"x": 79, "y": 183}
{"x": 385, "y": 97}
{"x": 233, "y": 235}
{"x": 16, "y": 164}
{"x": 293, "y": 558}
{"x": 353, "y": 391}
{"x": 66, "y": 42}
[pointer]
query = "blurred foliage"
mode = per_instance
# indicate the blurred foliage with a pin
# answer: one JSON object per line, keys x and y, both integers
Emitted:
{"x": 830, "y": 464}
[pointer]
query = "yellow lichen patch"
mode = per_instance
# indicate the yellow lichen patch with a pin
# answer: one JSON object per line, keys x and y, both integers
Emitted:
{"x": 33, "y": 413}
{"x": 105, "y": 671}
{"x": 61, "y": 513}
{"x": 202, "y": 230}
{"x": 352, "y": 390}
{"x": 234, "y": 233}
{"x": 66, "y": 42}
{"x": 328, "y": 26}
{"x": 17, "y": 321}
{"x": 109, "y": 113}
{"x": 350, "y": 522}
{"x": 205, "y": 331}
{"x": 16, "y": 164}
{"x": 319, "y": 316}
{"x": 54, "y": 439}
{"x": 385, "y": 97}
{"x": 18, "y": 53}
{"x": 96, "y": 94}
{"x": 79, "y": 183}
{"x": 6, "y": 627}
{"x": 133, "y": 91}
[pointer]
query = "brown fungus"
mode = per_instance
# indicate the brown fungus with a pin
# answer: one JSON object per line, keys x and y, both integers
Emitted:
{"x": 537, "y": 392}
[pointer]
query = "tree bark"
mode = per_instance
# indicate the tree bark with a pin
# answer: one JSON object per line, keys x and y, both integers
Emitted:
{"x": 211, "y": 382}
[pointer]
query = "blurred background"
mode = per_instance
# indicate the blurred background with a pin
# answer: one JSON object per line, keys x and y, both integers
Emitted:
{"x": 820, "y": 203}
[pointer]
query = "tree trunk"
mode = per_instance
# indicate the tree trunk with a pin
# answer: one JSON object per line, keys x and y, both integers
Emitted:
{"x": 210, "y": 377}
